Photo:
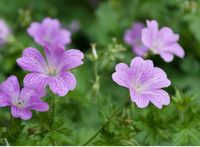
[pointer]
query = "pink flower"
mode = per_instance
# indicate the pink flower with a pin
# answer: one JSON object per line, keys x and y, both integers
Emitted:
{"x": 162, "y": 42}
{"x": 133, "y": 37}
{"x": 49, "y": 31}
{"x": 21, "y": 102}
{"x": 144, "y": 81}
{"x": 53, "y": 71}
{"x": 4, "y": 32}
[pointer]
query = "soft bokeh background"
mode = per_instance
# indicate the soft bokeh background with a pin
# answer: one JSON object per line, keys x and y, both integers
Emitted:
{"x": 85, "y": 110}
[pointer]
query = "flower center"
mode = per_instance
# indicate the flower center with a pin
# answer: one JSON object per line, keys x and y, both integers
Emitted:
{"x": 157, "y": 46}
{"x": 47, "y": 38}
{"x": 137, "y": 88}
{"x": 51, "y": 71}
{"x": 19, "y": 103}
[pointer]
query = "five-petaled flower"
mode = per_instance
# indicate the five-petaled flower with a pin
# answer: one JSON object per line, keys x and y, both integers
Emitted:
{"x": 21, "y": 102}
{"x": 133, "y": 37}
{"x": 144, "y": 81}
{"x": 4, "y": 32}
{"x": 49, "y": 31}
{"x": 54, "y": 71}
{"x": 162, "y": 42}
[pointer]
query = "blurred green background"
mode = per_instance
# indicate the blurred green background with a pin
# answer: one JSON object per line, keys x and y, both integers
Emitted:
{"x": 83, "y": 111}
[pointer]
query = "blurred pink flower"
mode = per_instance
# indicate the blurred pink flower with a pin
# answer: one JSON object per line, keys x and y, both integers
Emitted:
{"x": 133, "y": 37}
{"x": 4, "y": 32}
{"x": 144, "y": 81}
{"x": 162, "y": 42}
{"x": 49, "y": 31}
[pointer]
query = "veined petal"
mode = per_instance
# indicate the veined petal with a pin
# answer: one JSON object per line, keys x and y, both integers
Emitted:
{"x": 21, "y": 113}
{"x": 157, "y": 79}
{"x": 72, "y": 59}
{"x": 62, "y": 83}
{"x": 32, "y": 60}
{"x": 4, "y": 100}
{"x": 29, "y": 93}
{"x": 140, "y": 69}
{"x": 10, "y": 87}
{"x": 158, "y": 97}
{"x": 36, "y": 80}
{"x": 121, "y": 76}
{"x": 54, "y": 54}
{"x": 141, "y": 101}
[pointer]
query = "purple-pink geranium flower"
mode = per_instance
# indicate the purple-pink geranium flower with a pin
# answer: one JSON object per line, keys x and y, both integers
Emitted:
{"x": 162, "y": 42}
{"x": 144, "y": 81}
{"x": 21, "y": 102}
{"x": 54, "y": 70}
{"x": 49, "y": 31}
{"x": 4, "y": 32}
{"x": 133, "y": 37}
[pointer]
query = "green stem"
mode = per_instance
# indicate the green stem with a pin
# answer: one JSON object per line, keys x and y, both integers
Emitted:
{"x": 53, "y": 106}
{"x": 106, "y": 123}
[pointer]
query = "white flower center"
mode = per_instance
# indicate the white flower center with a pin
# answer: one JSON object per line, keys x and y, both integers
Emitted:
{"x": 52, "y": 71}
{"x": 137, "y": 88}
{"x": 19, "y": 103}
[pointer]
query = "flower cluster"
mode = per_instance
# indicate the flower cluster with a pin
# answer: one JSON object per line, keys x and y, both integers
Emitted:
{"x": 150, "y": 38}
{"x": 144, "y": 81}
{"x": 53, "y": 70}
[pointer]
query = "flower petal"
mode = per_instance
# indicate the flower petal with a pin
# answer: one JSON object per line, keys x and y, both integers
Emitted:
{"x": 10, "y": 87}
{"x": 140, "y": 50}
{"x": 50, "y": 24}
{"x": 167, "y": 35}
{"x": 38, "y": 105}
{"x": 21, "y": 113}
{"x": 149, "y": 34}
{"x": 72, "y": 59}
{"x": 141, "y": 101}
{"x": 121, "y": 76}
{"x": 140, "y": 69}
{"x": 32, "y": 60}
{"x": 35, "y": 31}
{"x": 4, "y": 100}
{"x": 167, "y": 57}
{"x": 62, "y": 83}
{"x": 63, "y": 37}
{"x": 158, "y": 97}
{"x": 36, "y": 80}
{"x": 156, "y": 79}
{"x": 54, "y": 54}
{"x": 174, "y": 49}
{"x": 133, "y": 35}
